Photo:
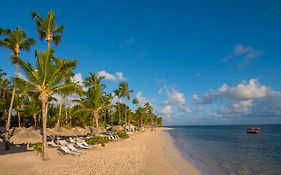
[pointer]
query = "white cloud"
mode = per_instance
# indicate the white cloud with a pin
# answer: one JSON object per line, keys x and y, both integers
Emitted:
{"x": 248, "y": 53}
{"x": 243, "y": 91}
{"x": 241, "y": 107}
{"x": 119, "y": 76}
{"x": 247, "y": 99}
{"x": 175, "y": 99}
{"x": 167, "y": 110}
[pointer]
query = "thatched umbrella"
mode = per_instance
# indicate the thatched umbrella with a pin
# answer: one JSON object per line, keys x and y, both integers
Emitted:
{"x": 77, "y": 131}
{"x": 58, "y": 132}
{"x": 26, "y": 136}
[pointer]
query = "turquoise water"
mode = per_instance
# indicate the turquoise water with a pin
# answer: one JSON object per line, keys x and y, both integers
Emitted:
{"x": 229, "y": 150}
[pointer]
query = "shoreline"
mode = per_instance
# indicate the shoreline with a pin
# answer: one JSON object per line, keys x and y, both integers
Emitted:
{"x": 142, "y": 154}
{"x": 182, "y": 165}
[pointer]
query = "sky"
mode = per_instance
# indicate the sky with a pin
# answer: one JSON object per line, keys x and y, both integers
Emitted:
{"x": 198, "y": 62}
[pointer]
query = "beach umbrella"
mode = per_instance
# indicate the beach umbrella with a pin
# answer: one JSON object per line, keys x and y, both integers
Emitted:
{"x": 77, "y": 131}
{"x": 26, "y": 136}
{"x": 58, "y": 132}
{"x": 17, "y": 130}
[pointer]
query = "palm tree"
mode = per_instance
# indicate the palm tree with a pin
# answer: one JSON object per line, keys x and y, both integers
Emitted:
{"x": 5, "y": 92}
{"x": 46, "y": 79}
{"x": 124, "y": 92}
{"x": 150, "y": 114}
{"x": 64, "y": 95}
{"x": 15, "y": 40}
{"x": 47, "y": 28}
{"x": 32, "y": 107}
{"x": 136, "y": 101}
{"x": 93, "y": 101}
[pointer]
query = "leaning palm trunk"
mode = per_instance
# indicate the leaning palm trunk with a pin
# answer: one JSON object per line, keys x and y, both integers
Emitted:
{"x": 44, "y": 122}
{"x": 8, "y": 124}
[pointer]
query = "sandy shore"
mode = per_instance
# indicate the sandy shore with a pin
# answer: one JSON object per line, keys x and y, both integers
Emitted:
{"x": 143, "y": 154}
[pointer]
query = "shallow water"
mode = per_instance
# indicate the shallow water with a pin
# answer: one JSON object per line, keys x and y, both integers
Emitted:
{"x": 229, "y": 150}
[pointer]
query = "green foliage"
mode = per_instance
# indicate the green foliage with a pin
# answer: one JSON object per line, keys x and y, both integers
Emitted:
{"x": 98, "y": 140}
{"x": 37, "y": 147}
{"x": 122, "y": 134}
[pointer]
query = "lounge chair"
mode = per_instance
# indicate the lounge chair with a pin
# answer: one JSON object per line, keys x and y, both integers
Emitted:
{"x": 63, "y": 142}
{"x": 79, "y": 144}
{"x": 72, "y": 148}
{"x": 52, "y": 144}
{"x": 86, "y": 144}
{"x": 72, "y": 140}
{"x": 65, "y": 150}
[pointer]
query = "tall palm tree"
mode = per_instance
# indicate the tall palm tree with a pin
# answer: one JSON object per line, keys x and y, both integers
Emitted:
{"x": 15, "y": 40}
{"x": 136, "y": 102}
{"x": 150, "y": 114}
{"x": 93, "y": 101}
{"x": 47, "y": 28}
{"x": 46, "y": 79}
{"x": 124, "y": 92}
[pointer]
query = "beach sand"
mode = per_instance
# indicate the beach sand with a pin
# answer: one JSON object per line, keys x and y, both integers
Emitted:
{"x": 148, "y": 153}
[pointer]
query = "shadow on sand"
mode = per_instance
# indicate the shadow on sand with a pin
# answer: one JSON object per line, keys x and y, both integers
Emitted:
{"x": 13, "y": 149}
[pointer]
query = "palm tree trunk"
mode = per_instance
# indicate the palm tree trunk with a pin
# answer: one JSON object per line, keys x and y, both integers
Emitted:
{"x": 44, "y": 121}
{"x": 49, "y": 44}
{"x": 8, "y": 124}
{"x": 119, "y": 115}
{"x": 58, "y": 120}
{"x": 18, "y": 113}
{"x": 152, "y": 123}
{"x": 35, "y": 120}
{"x": 96, "y": 118}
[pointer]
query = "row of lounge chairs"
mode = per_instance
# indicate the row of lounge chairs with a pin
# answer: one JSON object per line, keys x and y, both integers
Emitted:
{"x": 74, "y": 146}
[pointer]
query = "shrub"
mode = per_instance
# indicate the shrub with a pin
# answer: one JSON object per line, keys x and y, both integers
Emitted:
{"x": 98, "y": 140}
{"x": 122, "y": 134}
{"x": 37, "y": 147}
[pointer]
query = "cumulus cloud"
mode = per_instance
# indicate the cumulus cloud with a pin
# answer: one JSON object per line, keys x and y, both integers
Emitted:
{"x": 167, "y": 110}
{"x": 244, "y": 91}
{"x": 175, "y": 99}
{"x": 248, "y": 99}
{"x": 118, "y": 76}
{"x": 248, "y": 53}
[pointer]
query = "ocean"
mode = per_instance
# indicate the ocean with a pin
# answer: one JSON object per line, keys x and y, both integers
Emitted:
{"x": 229, "y": 150}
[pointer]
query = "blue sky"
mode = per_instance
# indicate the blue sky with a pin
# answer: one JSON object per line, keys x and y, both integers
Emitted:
{"x": 170, "y": 51}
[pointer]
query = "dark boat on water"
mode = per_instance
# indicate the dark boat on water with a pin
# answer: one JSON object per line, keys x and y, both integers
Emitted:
{"x": 253, "y": 130}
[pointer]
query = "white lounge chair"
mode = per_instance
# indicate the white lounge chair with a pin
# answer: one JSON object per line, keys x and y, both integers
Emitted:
{"x": 67, "y": 151}
{"x": 86, "y": 144}
{"x": 82, "y": 146}
{"x": 53, "y": 144}
{"x": 63, "y": 142}
{"x": 72, "y": 148}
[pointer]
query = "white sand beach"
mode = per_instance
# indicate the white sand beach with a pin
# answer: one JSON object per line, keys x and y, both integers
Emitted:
{"x": 147, "y": 153}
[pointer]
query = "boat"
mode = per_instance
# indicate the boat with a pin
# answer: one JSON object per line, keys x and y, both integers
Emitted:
{"x": 253, "y": 130}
